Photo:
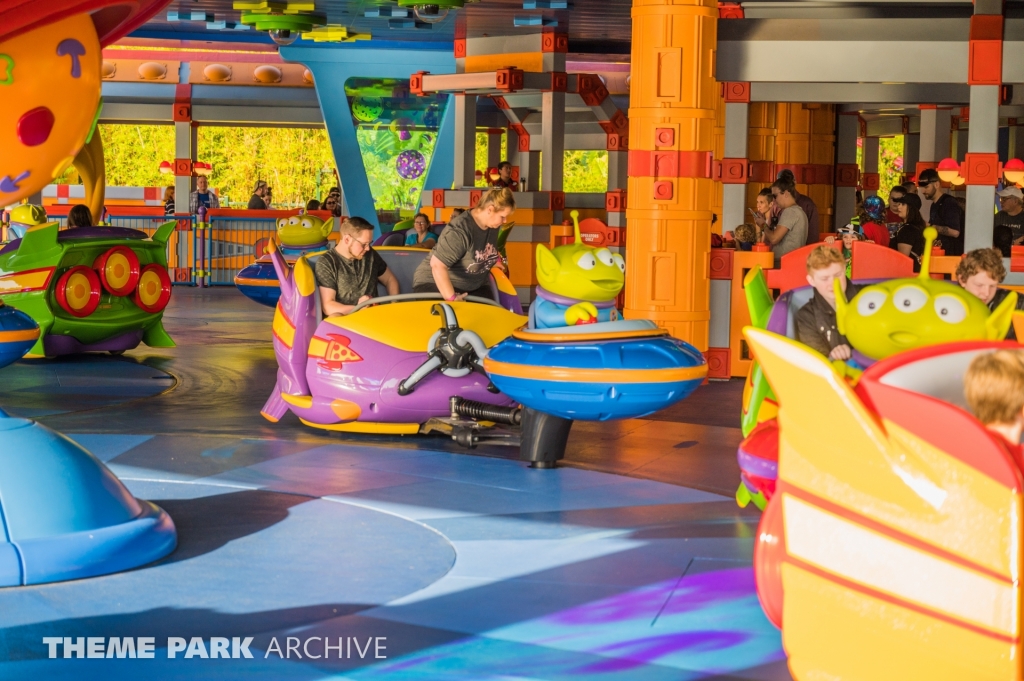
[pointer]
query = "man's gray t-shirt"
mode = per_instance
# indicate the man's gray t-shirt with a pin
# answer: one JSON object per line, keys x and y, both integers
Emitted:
{"x": 350, "y": 279}
{"x": 1014, "y": 222}
{"x": 468, "y": 252}
{"x": 795, "y": 220}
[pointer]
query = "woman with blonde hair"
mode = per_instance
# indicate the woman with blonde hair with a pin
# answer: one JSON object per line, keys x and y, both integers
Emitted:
{"x": 461, "y": 263}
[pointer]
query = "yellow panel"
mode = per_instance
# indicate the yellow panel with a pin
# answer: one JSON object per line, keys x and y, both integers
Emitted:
{"x": 887, "y": 565}
{"x": 408, "y": 326}
{"x": 832, "y": 632}
{"x": 282, "y": 328}
{"x": 369, "y": 427}
{"x": 902, "y": 482}
{"x": 524, "y": 61}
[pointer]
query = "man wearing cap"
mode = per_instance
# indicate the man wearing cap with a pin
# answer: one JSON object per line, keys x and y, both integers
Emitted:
{"x": 945, "y": 214}
{"x": 258, "y": 200}
{"x": 1009, "y": 222}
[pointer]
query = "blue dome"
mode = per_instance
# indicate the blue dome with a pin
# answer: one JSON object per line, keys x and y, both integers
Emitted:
{"x": 597, "y": 372}
{"x": 18, "y": 333}
{"x": 65, "y": 515}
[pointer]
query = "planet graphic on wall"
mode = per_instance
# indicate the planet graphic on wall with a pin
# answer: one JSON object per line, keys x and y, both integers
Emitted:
{"x": 367, "y": 109}
{"x": 410, "y": 164}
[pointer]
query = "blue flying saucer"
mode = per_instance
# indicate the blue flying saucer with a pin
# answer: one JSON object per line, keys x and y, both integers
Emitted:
{"x": 18, "y": 333}
{"x": 65, "y": 515}
{"x": 596, "y": 372}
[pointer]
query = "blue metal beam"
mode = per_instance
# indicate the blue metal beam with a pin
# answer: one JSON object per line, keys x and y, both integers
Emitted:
{"x": 441, "y": 173}
{"x": 331, "y": 68}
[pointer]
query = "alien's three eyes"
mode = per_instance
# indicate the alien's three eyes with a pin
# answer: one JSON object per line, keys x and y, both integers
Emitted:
{"x": 909, "y": 299}
{"x": 589, "y": 260}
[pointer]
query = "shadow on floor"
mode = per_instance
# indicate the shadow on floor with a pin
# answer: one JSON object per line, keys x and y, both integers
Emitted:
{"x": 208, "y": 523}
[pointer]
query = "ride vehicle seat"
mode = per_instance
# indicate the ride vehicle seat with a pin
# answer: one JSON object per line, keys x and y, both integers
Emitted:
{"x": 397, "y": 236}
{"x": 403, "y": 263}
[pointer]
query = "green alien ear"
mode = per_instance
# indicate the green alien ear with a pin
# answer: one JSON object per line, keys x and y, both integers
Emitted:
{"x": 998, "y": 323}
{"x": 841, "y": 306}
{"x": 547, "y": 264}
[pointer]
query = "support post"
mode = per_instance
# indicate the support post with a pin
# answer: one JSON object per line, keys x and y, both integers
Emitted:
{"x": 734, "y": 194}
{"x": 465, "y": 140}
{"x": 1016, "y": 138}
{"x": 870, "y": 182}
{"x": 671, "y": 127}
{"x": 847, "y": 173}
{"x": 911, "y": 152}
{"x": 982, "y": 154}
{"x": 552, "y": 144}
{"x": 935, "y": 126}
{"x": 981, "y": 163}
{"x": 494, "y": 147}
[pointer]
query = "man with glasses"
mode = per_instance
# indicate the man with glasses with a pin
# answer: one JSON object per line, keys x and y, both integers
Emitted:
{"x": 945, "y": 214}
{"x": 348, "y": 274}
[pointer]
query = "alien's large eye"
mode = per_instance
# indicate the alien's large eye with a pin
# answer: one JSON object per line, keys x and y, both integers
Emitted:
{"x": 307, "y": 223}
{"x": 605, "y": 256}
{"x": 870, "y": 302}
{"x": 950, "y": 309}
{"x": 282, "y": 222}
{"x": 909, "y": 299}
{"x": 619, "y": 261}
{"x": 293, "y": 220}
{"x": 587, "y": 261}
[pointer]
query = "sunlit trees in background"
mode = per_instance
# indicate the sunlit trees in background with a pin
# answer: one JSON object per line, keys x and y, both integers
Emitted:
{"x": 296, "y": 162}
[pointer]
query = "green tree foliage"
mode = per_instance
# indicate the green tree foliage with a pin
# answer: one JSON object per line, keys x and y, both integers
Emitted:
{"x": 132, "y": 154}
{"x": 287, "y": 158}
{"x": 583, "y": 171}
{"x": 890, "y": 163}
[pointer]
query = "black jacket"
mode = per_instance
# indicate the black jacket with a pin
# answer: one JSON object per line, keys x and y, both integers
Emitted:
{"x": 816, "y": 323}
{"x": 999, "y": 297}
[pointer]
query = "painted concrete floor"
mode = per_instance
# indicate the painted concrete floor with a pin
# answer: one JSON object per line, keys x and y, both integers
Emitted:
{"x": 630, "y": 562}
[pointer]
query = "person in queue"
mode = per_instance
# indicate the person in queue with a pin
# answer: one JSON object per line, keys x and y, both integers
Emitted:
{"x": 331, "y": 205}
{"x": 1008, "y": 227}
{"x": 80, "y": 216}
{"x": 461, "y": 262}
{"x": 980, "y": 273}
{"x": 946, "y": 216}
{"x": 791, "y": 231}
{"x": 762, "y": 212}
{"x": 994, "y": 392}
{"x": 202, "y": 196}
{"x": 348, "y": 274}
{"x": 169, "y": 201}
{"x": 420, "y": 234}
{"x": 505, "y": 177}
{"x": 806, "y": 204}
{"x": 910, "y": 236}
{"x": 871, "y": 221}
{"x": 892, "y": 217}
{"x": 259, "y": 194}
{"x": 816, "y": 321}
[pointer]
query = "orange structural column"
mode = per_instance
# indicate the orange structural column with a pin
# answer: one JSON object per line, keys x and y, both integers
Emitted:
{"x": 760, "y": 148}
{"x": 671, "y": 190}
{"x": 805, "y": 144}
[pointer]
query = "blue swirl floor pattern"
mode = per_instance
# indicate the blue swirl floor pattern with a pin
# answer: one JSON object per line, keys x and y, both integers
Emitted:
{"x": 461, "y": 567}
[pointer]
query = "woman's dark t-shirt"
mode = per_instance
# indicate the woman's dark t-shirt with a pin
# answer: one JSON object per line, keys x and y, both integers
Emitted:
{"x": 914, "y": 236}
{"x": 468, "y": 252}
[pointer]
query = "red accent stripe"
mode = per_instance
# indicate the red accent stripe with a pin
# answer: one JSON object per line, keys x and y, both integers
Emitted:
{"x": 283, "y": 341}
{"x": 669, "y": 163}
{"x": 868, "y": 591}
{"x": 948, "y": 428}
{"x": 891, "y": 533}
